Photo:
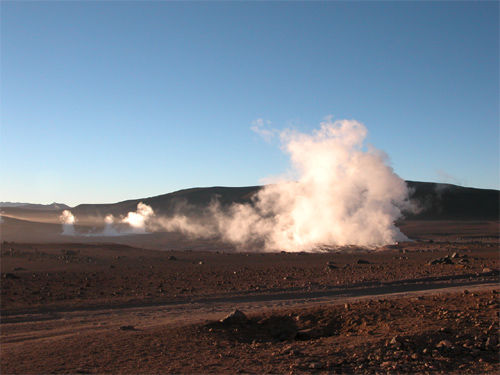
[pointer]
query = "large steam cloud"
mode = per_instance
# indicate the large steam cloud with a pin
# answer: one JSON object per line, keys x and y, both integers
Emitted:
{"x": 343, "y": 193}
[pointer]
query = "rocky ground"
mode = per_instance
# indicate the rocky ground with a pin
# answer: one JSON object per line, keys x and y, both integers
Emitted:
{"x": 428, "y": 306}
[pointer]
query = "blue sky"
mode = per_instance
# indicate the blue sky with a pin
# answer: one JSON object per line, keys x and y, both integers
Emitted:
{"x": 108, "y": 101}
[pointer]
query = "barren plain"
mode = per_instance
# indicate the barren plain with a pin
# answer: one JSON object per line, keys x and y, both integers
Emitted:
{"x": 426, "y": 306}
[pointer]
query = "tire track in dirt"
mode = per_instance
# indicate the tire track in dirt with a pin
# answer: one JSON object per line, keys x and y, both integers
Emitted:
{"x": 31, "y": 328}
{"x": 353, "y": 290}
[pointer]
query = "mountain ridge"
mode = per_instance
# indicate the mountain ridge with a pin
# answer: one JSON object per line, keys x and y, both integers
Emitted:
{"x": 436, "y": 201}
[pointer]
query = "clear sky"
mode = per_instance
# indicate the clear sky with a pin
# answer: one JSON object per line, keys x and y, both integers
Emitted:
{"x": 104, "y": 101}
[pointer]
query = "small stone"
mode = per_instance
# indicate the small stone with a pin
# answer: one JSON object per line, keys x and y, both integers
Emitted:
{"x": 82, "y": 371}
{"x": 127, "y": 328}
{"x": 308, "y": 334}
{"x": 397, "y": 339}
{"x": 444, "y": 343}
{"x": 491, "y": 271}
{"x": 236, "y": 317}
{"x": 362, "y": 261}
{"x": 386, "y": 364}
{"x": 171, "y": 257}
{"x": 69, "y": 252}
{"x": 10, "y": 276}
{"x": 316, "y": 365}
{"x": 491, "y": 341}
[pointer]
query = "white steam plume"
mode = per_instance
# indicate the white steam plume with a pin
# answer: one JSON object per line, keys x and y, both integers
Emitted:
{"x": 344, "y": 195}
{"x": 68, "y": 223}
{"x": 134, "y": 223}
{"x": 137, "y": 220}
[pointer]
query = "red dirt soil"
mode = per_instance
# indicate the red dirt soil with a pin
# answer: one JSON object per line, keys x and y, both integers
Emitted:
{"x": 114, "y": 308}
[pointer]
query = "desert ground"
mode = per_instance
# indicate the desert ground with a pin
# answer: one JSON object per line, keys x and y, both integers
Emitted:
{"x": 166, "y": 305}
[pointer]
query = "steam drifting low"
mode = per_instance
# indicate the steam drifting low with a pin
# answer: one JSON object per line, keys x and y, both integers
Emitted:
{"x": 343, "y": 193}
{"x": 133, "y": 223}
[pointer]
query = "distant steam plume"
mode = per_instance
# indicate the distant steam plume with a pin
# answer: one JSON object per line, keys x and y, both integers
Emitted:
{"x": 344, "y": 194}
{"x": 138, "y": 220}
{"x": 133, "y": 223}
{"x": 68, "y": 223}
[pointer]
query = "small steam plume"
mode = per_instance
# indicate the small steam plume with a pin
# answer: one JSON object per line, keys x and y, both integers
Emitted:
{"x": 138, "y": 220}
{"x": 68, "y": 223}
{"x": 133, "y": 223}
{"x": 344, "y": 194}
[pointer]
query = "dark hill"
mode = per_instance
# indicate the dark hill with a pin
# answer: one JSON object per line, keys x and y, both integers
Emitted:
{"x": 452, "y": 202}
{"x": 438, "y": 202}
{"x": 186, "y": 201}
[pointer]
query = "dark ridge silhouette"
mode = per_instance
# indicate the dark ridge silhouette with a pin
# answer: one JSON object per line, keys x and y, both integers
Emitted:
{"x": 452, "y": 202}
{"x": 437, "y": 202}
{"x": 35, "y": 206}
{"x": 53, "y": 206}
{"x": 186, "y": 201}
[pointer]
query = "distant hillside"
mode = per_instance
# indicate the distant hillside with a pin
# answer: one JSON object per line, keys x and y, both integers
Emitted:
{"x": 452, "y": 202}
{"x": 12, "y": 204}
{"x": 437, "y": 201}
{"x": 32, "y": 206}
{"x": 187, "y": 201}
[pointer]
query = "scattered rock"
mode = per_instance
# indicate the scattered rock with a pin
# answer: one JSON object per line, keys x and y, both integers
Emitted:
{"x": 444, "y": 344}
{"x": 69, "y": 252}
{"x": 362, "y": 261}
{"x": 10, "y": 276}
{"x": 397, "y": 339}
{"x": 127, "y": 328}
{"x": 491, "y": 271}
{"x": 287, "y": 335}
{"x": 236, "y": 317}
{"x": 491, "y": 341}
{"x": 443, "y": 260}
{"x": 316, "y": 365}
{"x": 308, "y": 334}
{"x": 82, "y": 371}
{"x": 171, "y": 257}
{"x": 386, "y": 364}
